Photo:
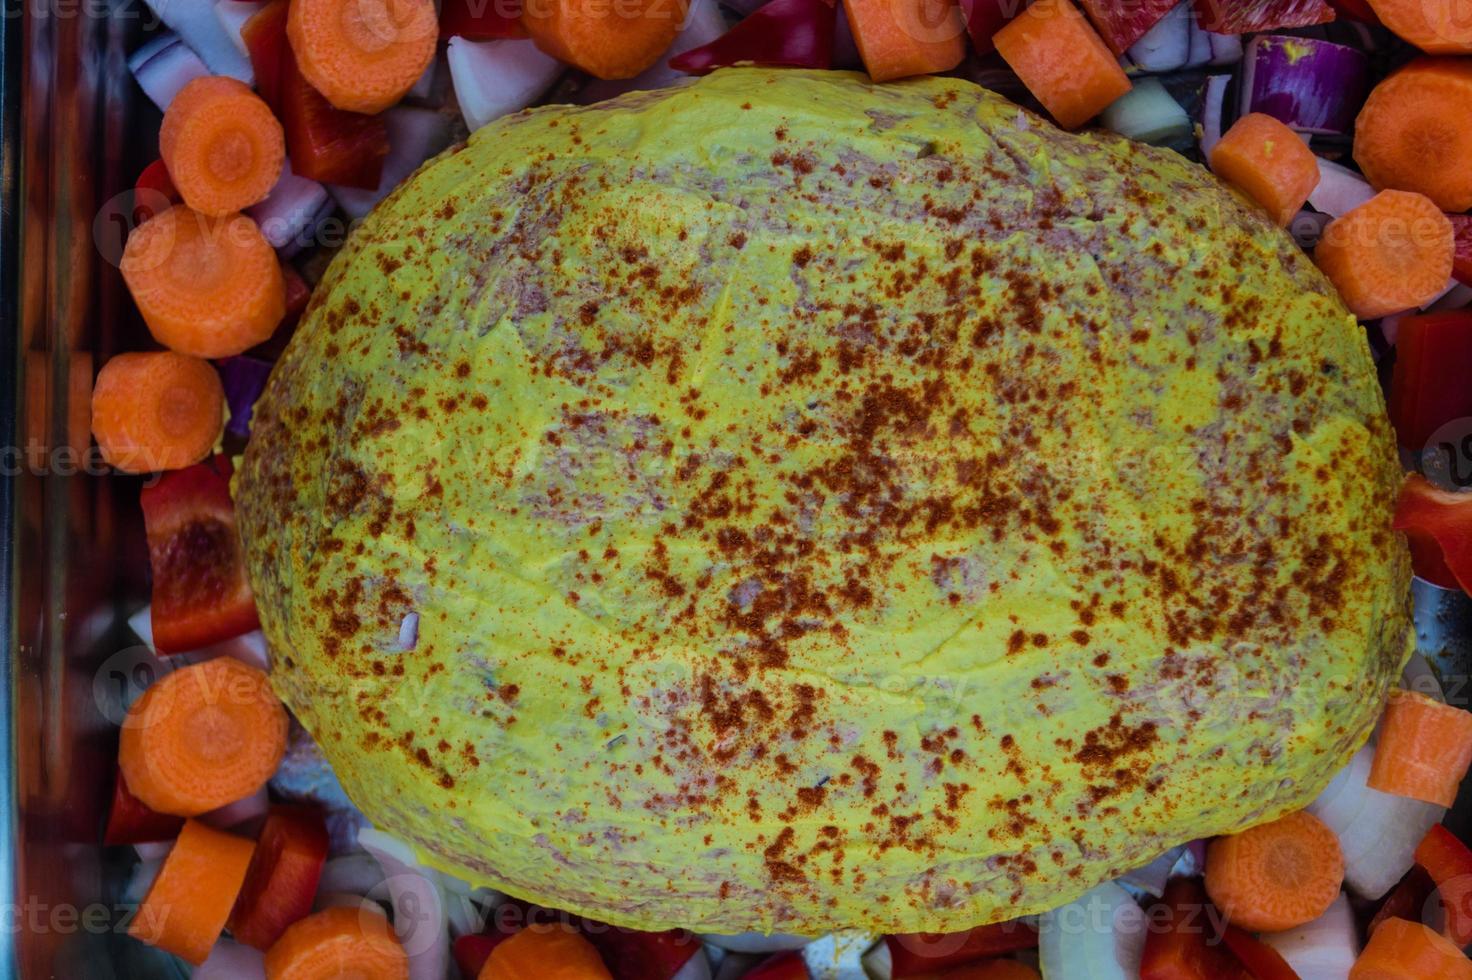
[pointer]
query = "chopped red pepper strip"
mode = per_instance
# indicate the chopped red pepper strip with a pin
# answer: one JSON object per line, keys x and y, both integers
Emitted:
{"x": 200, "y": 591}
{"x": 481, "y": 20}
{"x": 1407, "y": 900}
{"x": 985, "y": 17}
{"x": 1242, "y": 16}
{"x": 1260, "y": 959}
{"x": 153, "y": 192}
{"x": 1449, "y": 863}
{"x": 783, "y": 966}
{"x": 1431, "y": 383}
{"x": 1438, "y": 526}
{"x": 1119, "y": 24}
{"x": 778, "y": 34}
{"x": 917, "y": 953}
{"x": 130, "y": 821}
{"x": 631, "y": 954}
{"x": 282, "y": 881}
{"x": 1180, "y": 945}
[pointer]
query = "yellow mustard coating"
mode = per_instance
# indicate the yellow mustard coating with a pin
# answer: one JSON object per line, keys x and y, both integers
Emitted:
{"x": 824, "y": 504}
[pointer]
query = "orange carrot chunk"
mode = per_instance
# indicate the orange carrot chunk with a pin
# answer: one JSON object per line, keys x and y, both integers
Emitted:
{"x": 1268, "y": 162}
{"x": 222, "y": 146}
{"x": 1401, "y": 950}
{"x": 899, "y": 38}
{"x": 157, "y": 411}
{"x": 1424, "y": 750}
{"x": 1389, "y": 254}
{"x": 1434, "y": 26}
{"x": 209, "y": 287}
{"x": 185, "y": 909}
{"x": 362, "y": 55}
{"x": 1415, "y": 132}
{"x": 1063, "y": 61}
{"x": 1276, "y": 875}
{"x": 545, "y": 953}
{"x": 202, "y": 737}
{"x": 338, "y": 942}
{"x": 604, "y": 39}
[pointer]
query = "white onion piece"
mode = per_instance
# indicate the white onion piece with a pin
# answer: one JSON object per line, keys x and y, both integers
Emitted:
{"x": 419, "y": 908}
{"x": 1226, "y": 49}
{"x": 1167, "y": 45}
{"x": 696, "y": 967}
{"x": 703, "y": 24}
{"x": 163, "y": 66}
{"x": 1325, "y": 948}
{"x": 230, "y": 960}
{"x": 357, "y": 874}
{"x": 253, "y": 807}
{"x": 1458, "y": 296}
{"x": 757, "y": 942}
{"x": 1098, "y": 936}
{"x": 1147, "y": 113}
{"x": 232, "y": 15}
{"x": 1377, "y": 832}
{"x": 414, "y": 135}
{"x": 1214, "y": 101}
{"x": 1340, "y": 189}
{"x": 289, "y": 211}
{"x": 495, "y": 78}
{"x": 1199, "y": 52}
{"x": 1151, "y": 878}
{"x": 249, "y": 648}
{"x": 878, "y": 962}
{"x": 154, "y": 850}
{"x": 196, "y": 24}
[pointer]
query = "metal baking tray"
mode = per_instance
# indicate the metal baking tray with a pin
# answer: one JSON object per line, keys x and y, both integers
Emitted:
{"x": 74, "y": 558}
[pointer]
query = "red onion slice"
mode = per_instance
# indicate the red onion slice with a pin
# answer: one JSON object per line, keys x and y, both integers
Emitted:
{"x": 1313, "y": 86}
{"x": 243, "y": 378}
{"x": 414, "y": 136}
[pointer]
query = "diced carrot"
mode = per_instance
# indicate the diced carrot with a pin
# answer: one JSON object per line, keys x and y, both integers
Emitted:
{"x": 156, "y": 411}
{"x": 1449, "y": 863}
{"x": 202, "y": 737}
{"x": 338, "y": 942}
{"x": 362, "y": 56}
{"x": 540, "y": 952}
{"x": 607, "y": 40}
{"x": 210, "y": 287}
{"x": 899, "y": 38}
{"x": 223, "y": 148}
{"x": 1062, "y": 61}
{"x": 1267, "y": 160}
{"x": 1434, "y": 26}
{"x": 1401, "y": 950}
{"x": 1277, "y": 875}
{"x": 185, "y": 909}
{"x": 1424, "y": 750}
{"x": 1389, "y": 254}
{"x": 1415, "y": 131}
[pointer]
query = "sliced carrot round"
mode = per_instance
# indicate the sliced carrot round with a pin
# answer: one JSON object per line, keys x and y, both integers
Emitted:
{"x": 605, "y": 39}
{"x": 338, "y": 942}
{"x": 545, "y": 953}
{"x": 223, "y": 148}
{"x": 1401, "y": 950}
{"x": 1434, "y": 26}
{"x": 202, "y": 737}
{"x": 362, "y": 55}
{"x": 210, "y": 287}
{"x": 1277, "y": 875}
{"x": 1392, "y": 253}
{"x": 157, "y": 411}
{"x": 1415, "y": 132}
{"x": 185, "y": 909}
{"x": 1267, "y": 161}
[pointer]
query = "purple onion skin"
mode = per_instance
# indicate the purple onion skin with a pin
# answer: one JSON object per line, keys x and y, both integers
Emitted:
{"x": 1310, "y": 85}
{"x": 778, "y": 34}
{"x": 244, "y": 378}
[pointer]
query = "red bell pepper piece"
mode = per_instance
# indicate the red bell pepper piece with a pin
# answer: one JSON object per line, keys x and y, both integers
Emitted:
{"x": 324, "y": 142}
{"x": 1179, "y": 944}
{"x": 130, "y": 821}
{"x": 1241, "y": 16}
{"x": 1261, "y": 960}
{"x": 917, "y": 953}
{"x": 282, "y": 881}
{"x": 153, "y": 192}
{"x": 985, "y": 17}
{"x": 1438, "y": 527}
{"x": 481, "y": 20}
{"x": 1449, "y": 863}
{"x": 200, "y": 591}
{"x": 298, "y": 293}
{"x": 633, "y": 955}
{"x": 1407, "y": 900}
{"x": 1119, "y": 24}
{"x": 1431, "y": 383}
{"x": 778, "y": 34}
{"x": 1358, "y": 10}
{"x": 1462, "y": 243}
{"x": 783, "y": 966}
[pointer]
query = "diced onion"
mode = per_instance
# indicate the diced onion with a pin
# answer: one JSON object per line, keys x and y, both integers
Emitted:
{"x": 1340, "y": 190}
{"x": 197, "y": 26}
{"x": 1213, "y": 111}
{"x": 1167, "y": 45}
{"x": 495, "y": 78}
{"x": 165, "y": 65}
{"x": 1098, "y": 936}
{"x": 1312, "y": 85}
{"x": 230, "y": 960}
{"x": 1147, "y": 113}
{"x": 232, "y": 15}
{"x": 1151, "y": 878}
{"x": 419, "y": 908}
{"x": 1325, "y": 948}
